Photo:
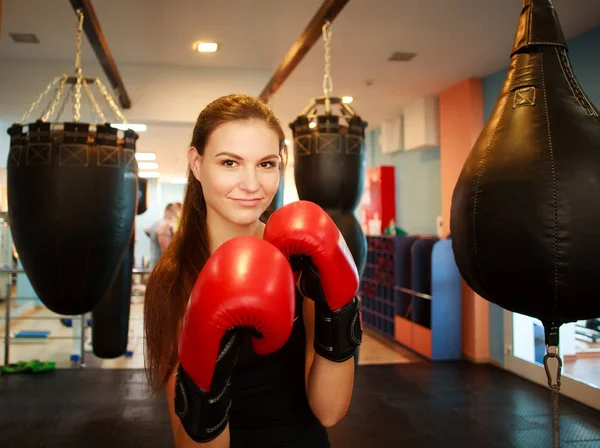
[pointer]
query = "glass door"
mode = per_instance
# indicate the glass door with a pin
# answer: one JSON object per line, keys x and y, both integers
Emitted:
{"x": 579, "y": 349}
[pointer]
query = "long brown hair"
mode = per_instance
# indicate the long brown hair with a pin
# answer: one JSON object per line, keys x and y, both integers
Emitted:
{"x": 173, "y": 277}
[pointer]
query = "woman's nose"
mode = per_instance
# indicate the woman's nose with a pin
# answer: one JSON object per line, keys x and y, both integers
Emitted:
{"x": 249, "y": 181}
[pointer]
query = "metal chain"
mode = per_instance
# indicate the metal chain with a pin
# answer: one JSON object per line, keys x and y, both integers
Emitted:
{"x": 78, "y": 70}
{"x": 94, "y": 103}
{"x": 37, "y": 102}
{"x": 552, "y": 352}
{"x": 56, "y": 99}
{"x": 110, "y": 101}
{"x": 327, "y": 81}
{"x": 66, "y": 99}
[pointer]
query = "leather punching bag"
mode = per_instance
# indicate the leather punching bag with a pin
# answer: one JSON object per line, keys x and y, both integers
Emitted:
{"x": 110, "y": 319}
{"x": 72, "y": 200}
{"x": 525, "y": 216}
{"x": 142, "y": 195}
{"x": 329, "y": 170}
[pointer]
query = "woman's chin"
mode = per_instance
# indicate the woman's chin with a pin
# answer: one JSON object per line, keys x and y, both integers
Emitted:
{"x": 246, "y": 217}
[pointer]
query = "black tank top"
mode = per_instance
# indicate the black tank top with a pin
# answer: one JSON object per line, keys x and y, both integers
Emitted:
{"x": 269, "y": 407}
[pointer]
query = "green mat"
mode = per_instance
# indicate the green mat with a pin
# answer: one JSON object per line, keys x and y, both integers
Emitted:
{"x": 35, "y": 366}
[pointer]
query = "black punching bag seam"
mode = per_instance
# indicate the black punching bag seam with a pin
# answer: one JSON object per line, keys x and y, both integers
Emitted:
{"x": 576, "y": 89}
{"x": 554, "y": 191}
{"x": 480, "y": 171}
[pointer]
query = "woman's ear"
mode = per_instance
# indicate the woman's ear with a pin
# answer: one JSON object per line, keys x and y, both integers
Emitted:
{"x": 194, "y": 160}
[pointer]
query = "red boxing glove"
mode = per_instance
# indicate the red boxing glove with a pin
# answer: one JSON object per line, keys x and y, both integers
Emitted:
{"x": 312, "y": 242}
{"x": 246, "y": 283}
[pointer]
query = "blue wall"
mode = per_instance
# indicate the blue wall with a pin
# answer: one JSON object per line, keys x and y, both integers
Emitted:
{"x": 418, "y": 184}
{"x": 583, "y": 52}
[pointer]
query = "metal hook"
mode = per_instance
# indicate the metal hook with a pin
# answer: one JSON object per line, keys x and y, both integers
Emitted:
{"x": 552, "y": 352}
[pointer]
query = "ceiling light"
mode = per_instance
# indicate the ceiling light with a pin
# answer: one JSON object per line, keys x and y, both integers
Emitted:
{"x": 133, "y": 127}
{"x": 147, "y": 165}
{"x": 149, "y": 174}
{"x": 179, "y": 180}
{"x": 347, "y": 99}
{"x": 401, "y": 56}
{"x": 312, "y": 125}
{"x": 206, "y": 47}
{"x": 145, "y": 156}
{"x": 24, "y": 38}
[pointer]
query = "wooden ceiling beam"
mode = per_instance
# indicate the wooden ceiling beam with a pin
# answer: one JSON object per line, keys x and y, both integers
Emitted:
{"x": 328, "y": 11}
{"x": 91, "y": 27}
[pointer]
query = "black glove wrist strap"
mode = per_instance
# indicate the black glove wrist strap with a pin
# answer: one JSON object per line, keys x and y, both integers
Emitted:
{"x": 337, "y": 333}
{"x": 204, "y": 415}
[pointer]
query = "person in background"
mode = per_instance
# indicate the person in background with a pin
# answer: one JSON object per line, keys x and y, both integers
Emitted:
{"x": 161, "y": 233}
{"x": 179, "y": 207}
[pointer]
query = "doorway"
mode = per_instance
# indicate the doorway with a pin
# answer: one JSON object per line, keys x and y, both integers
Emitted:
{"x": 579, "y": 348}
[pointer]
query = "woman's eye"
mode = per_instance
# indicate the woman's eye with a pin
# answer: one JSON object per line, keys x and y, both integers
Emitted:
{"x": 269, "y": 164}
{"x": 228, "y": 163}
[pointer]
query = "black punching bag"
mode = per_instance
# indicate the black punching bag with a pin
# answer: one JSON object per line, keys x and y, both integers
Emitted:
{"x": 525, "y": 218}
{"x": 110, "y": 319}
{"x": 142, "y": 196}
{"x": 72, "y": 199}
{"x": 110, "y": 329}
{"x": 329, "y": 167}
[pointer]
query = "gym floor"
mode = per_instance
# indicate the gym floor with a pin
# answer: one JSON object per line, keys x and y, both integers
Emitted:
{"x": 406, "y": 403}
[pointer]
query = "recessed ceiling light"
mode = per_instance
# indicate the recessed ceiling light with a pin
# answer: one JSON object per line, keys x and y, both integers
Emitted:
{"x": 147, "y": 165}
{"x": 347, "y": 99}
{"x": 149, "y": 174}
{"x": 206, "y": 47}
{"x": 401, "y": 56}
{"x": 179, "y": 180}
{"x": 24, "y": 38}
{"x": 145, "y": 156}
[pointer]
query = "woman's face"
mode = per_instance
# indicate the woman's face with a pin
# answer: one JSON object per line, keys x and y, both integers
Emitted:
{"x": 239, "y": 170}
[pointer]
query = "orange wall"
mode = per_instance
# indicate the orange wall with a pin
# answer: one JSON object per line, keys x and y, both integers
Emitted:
{"x": 461, "y": 121}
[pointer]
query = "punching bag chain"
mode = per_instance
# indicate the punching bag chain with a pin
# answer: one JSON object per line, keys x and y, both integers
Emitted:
{"x": 327, "y": 81}
{"x": 552, "y": 352}
{"x": 39, "y": 99}
{"x": 78, "y": 71}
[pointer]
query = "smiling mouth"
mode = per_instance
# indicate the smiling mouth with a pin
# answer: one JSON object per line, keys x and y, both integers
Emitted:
{"x": 247, "y": 202}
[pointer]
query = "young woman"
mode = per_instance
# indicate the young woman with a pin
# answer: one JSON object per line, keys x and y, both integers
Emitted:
{"x": 283, "y": 399}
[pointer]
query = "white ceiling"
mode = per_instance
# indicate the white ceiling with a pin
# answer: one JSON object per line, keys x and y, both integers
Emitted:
{"x": 453, "y": 39}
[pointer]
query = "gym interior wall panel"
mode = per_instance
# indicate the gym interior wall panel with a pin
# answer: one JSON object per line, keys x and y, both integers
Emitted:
{"x": 583, "y": 50}
{"x": 417, "y": 173}
{"x": 461, "y": 121}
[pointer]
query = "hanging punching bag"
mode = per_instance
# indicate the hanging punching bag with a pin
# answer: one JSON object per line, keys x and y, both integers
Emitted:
{"x": 525, "y": 214}
{"x": 110, "y": 319}
{"x": 329, "y": 168}
{"x": 142, "y": 195}
{"x": 72, "y": 199}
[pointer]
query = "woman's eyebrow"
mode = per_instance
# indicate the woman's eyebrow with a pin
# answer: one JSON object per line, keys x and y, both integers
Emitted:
{"x": 238, "y": 157}
{"x": 229, "y": 154}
